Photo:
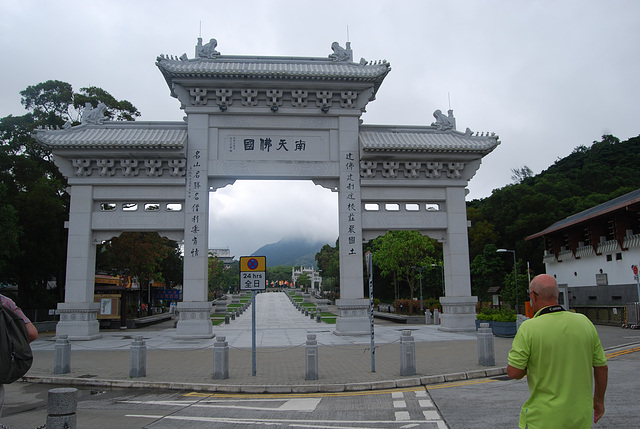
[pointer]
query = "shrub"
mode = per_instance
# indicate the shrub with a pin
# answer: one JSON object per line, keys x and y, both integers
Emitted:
{"x": 495, "y": 315}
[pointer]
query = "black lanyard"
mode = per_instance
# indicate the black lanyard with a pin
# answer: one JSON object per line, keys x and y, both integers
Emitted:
{"x": 552, "y": 309}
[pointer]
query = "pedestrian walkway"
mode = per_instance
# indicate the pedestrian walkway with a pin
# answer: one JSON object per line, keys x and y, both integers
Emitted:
{"x": 344, "y": 362}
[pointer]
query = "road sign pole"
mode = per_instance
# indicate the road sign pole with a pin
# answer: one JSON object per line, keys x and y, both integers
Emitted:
{"x": 253, "y": 333}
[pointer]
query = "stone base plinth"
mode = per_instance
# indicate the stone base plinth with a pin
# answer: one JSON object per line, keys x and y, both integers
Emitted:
{"x": 458, "y": 313}
{"x": 78, "y": 320}
{"x": 194, "y": 320}
{"x": 353, "y": 317}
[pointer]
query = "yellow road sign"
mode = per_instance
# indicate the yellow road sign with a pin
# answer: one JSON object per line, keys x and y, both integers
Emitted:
{"x": 253, "y": 264}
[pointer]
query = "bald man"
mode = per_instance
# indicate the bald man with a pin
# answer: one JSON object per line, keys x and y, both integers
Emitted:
{"x": 561, "y": 355}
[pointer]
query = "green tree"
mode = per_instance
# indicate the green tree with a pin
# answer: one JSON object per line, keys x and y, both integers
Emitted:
{"x": 397, "y": 253}
{"x": 33, "y": 186}
{"x": 328, "y": 260}
{"x": 304, "y": 280}
{"x": 217, "y": 279}
{"x": 487, "y": 270}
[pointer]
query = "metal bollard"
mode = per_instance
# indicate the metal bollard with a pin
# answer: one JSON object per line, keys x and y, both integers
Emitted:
{"x": 138, "y": 358}
{"x": 428, "y": 318}
{"x": 62, "y": 404}
{"x": 486, "y": 355}
{"x": 220, "y": 359}
{"x": 312, "y": 316}
{"x": 62, "y": 358}
{"x": 226, "y": 319}
{"x": 318, "y": 317}
{"x": 436, "y": 316}
{"x": 407, "y": 354}
{"x": 311, "y": 357}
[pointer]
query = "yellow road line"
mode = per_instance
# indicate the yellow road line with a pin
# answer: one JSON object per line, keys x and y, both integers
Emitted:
{"x": 622, "y": 352}
{"x": 461, "y": 383}
{"x": 300, "y": 395}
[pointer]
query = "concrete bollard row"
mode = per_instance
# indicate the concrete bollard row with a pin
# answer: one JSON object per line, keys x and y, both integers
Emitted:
{"x": 220, "y": 359}
{"x": 62, "y": 404}
{"x": 62, "y": 357}
{"x": 407, "y": 354}
{"x": 311, "y": 360}
{"x": 138, "y": 358}
{"x": 436, "y": 316}
{"x": 486, "y": 354}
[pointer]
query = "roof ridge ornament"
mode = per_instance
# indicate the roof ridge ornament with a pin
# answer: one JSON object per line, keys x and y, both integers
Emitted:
{"x": 443, "y": 122}
{"x": 208, "y": 50}
{"x": 94, "y": 116}
{"x": 340, "y": 53}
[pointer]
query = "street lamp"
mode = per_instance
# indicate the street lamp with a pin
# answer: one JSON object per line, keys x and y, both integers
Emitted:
{"x": 421, "y": 302}
{"x": 442, "y": 271}
{"x": 515, "y": 271}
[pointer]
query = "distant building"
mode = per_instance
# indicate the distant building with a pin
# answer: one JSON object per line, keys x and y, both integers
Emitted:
{"x": 314, "y": 276}
{"x": 223, "y": 254}
{"x": 592, "y": 253}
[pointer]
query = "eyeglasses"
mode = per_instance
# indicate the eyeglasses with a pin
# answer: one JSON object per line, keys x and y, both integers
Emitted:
{"x": 533, "y": 292}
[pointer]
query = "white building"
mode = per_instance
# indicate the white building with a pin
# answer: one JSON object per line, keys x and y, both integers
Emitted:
{"x": 592, "y": 253}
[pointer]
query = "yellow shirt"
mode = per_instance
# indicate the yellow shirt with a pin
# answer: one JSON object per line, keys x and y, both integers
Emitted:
{"x": 559, "y": 351}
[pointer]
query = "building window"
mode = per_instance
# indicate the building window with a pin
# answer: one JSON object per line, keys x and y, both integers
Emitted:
{"x": 609, "y": 258}
{"x": 618, "y": 256}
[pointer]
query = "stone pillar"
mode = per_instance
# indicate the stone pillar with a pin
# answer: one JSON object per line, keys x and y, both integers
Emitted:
{"x": 311, "y": 357}
{"x": 436, "y": 316}
{"x": 194, "y": 320}
{"x": 486, "y": 355}
{"x": 62, "y": 355}
{"x": 353, "y": 308}
{"x": 62, "y": 404}
{"x": 138, "y": 358}
{"x": 407, "y": 354}
{"x": 458, "y": 306}
{"x": 428, "y": 317}
{"x": 220, "y": 359}
{"x": 78, "y": 312}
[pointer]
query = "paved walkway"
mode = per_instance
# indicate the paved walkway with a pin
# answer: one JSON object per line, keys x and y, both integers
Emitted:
{"x": 281, "y": 330}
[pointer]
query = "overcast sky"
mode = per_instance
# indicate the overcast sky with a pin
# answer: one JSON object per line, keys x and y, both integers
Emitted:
{"x": 546, "y": 76}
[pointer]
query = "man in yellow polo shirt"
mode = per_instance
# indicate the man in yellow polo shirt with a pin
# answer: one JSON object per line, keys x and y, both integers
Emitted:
{"x": 561, "y": 355}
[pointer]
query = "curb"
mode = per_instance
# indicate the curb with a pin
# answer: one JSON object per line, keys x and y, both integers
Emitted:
{"x": 271, "y": 389}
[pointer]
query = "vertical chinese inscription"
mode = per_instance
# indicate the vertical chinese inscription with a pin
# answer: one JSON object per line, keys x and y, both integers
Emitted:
{"x": 196, "y": 216}
{"x": 351, "y": 186}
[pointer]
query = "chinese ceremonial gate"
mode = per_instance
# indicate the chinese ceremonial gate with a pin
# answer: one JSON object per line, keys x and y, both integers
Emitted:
{"x": 265, "y": 118}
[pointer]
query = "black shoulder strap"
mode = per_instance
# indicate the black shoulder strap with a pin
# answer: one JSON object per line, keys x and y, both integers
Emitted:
{"x": 552, "y": 309}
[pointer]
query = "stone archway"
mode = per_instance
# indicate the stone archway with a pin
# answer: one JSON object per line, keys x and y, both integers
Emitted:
{"x": 267, "y": 118}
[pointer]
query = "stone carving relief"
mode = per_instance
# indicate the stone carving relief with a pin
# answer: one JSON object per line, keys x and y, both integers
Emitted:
{"x": 208, "y": 50}
{"x": 198, "y": 96}
{"x": 299, "y": 98}
{"x": 340, "y": 53}
{"x": 224, "y": 98}
{"x": 94, "y": 116}
{"x": 324, "y": 100}
{"x": 443, "y": 122}
{"x": 348, "y": 99}
{"x": 274, "y": 99}
{"x": 249, "y": 97}
{"x": 108, "y": 167}
{"x": 411, "y": 169}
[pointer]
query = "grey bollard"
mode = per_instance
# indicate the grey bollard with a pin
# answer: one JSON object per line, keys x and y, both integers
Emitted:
{"x": 220, "y": 359}
{"x": 62, "y": 358}
{"x": 226, "y": 319}
{"x": 436, "y": 316}
{"x": 407, "y": 354}
{"x": 311, "y": 357}
{"x": 138, "y": 358}
{"x": 318, "y": 318}
{"x": 306, "y": 312}
{"x": 62, "y": 404}
{"x": 233, "y": 316}
{"x": 312, "y": 316}
{"x": 486, "y": 355}
{"x": 428, "y": 317}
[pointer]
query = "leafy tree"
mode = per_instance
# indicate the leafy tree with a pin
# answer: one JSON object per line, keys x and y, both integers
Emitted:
{"x": 487, "y": 270}
{"x": 33, "y": 186}
{"x": 304, "y": 280}
{"x": 217, "y": 280}
{"x": 398, "y": 253}
{"x": 518, "y": 175}
{"x": 328, "y": 260}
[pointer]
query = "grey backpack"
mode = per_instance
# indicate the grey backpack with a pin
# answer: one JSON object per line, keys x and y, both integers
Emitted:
{"x": 15, "y": 352}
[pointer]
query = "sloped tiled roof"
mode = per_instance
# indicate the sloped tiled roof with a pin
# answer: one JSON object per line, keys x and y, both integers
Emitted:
{"x": 117, "y": 135}
{"x": 424, "y": 139}
{"x": 626, "y": 200}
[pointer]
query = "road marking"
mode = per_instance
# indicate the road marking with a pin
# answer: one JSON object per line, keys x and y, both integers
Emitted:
{"x": 402, "y": 416}
{"x": 431, "y": 415}
{"x": 425, "y": 403}
{"x": 396, "y": 395}
{"x": 462, "y": 383}
{"x": 301, "y": 395}
{"x": 296, "y": 404}
{"x": 399, "y": 404}
{"x": 622, "y": 352}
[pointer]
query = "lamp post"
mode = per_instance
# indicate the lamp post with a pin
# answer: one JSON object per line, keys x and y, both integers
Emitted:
{"x": 420, "y": 272}
{"x": 442, "y": 271}
{"x": 515, "y": 271}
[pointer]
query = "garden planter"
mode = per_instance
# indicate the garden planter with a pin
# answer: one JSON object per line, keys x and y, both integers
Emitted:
{"x": 478, "y": 322}
{"x": 504, "y": 329}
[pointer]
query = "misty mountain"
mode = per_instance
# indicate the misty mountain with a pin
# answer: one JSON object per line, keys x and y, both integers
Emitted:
{"x": 290, "y": 251}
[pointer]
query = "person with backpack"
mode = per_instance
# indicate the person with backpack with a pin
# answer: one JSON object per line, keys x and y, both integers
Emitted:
{"x": 32, "y": 332}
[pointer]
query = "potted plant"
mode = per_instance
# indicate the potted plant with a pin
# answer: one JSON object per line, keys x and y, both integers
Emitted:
{"x": 485, "y": 316}
{"x": 504, "y": 323}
